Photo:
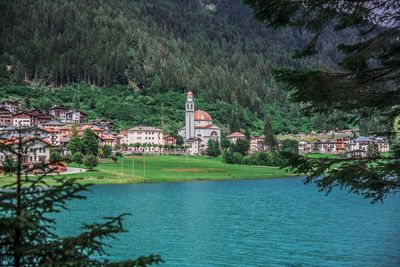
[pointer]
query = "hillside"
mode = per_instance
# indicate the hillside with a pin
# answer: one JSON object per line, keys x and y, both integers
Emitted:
{"x": 146, "y": 52}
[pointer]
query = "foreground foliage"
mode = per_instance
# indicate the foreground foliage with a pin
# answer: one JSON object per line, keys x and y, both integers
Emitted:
{"x": 28, "y": 235}
{"x": 364, "y": 84}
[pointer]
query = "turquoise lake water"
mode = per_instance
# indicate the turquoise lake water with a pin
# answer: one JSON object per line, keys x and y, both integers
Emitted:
{"x": 278, "y": 222}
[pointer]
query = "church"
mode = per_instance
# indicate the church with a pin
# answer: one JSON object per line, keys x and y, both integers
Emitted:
{"x": 198, "y": 129}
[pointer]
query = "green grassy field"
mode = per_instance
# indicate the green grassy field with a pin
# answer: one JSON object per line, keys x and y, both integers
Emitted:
{"x": 152, "y": 169}
{"x": 320, "y": 155}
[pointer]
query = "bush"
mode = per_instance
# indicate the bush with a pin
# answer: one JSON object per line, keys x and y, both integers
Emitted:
{"x": 230, "y": 157}
{"x": 67, "y": 158}
{"x": 90, "y": 161}
{"x": 118, "y": 154}
{"x": 78, "y": 158}
{"x": 107, "y": 151}
{"x": 241, "y": 146}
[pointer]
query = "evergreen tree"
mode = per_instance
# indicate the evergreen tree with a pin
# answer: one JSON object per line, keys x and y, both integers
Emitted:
{"x": 90, "y": 143}
{"x": 55, "y": 156}
{"x": 90, "y": 161}
{"x": 242, "y": 146}
{"x": 363, "y": 84}
{"x": 213, "y": 149}
{"x": 270, "y": 139}
{"x": 107, "y": 151}
{"x": 75, "y": 145}
{"x": 373, "y": 151}
{"x": 9, "y": 165}
{"x": 77, "y": 157}
{"x": 92, "y": 102}
{"x": 289, "y": 145}
{"x": 225, "y": 143}
{"x": 28, "y": 235}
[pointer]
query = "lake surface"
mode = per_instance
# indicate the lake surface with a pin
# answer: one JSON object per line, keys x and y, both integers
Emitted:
{"x": 276, "y": 222}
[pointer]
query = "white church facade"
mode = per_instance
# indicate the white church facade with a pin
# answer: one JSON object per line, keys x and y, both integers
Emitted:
{"x": 199, "y": 128}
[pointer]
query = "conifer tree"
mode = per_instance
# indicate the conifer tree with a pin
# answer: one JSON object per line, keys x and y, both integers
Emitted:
{"x": 270, "y": 140}
{"x": 90, "y": 142}
{"x": 213, "y": 148}
{"x": 28, "y": 234}
{"x": 364, "y": 83}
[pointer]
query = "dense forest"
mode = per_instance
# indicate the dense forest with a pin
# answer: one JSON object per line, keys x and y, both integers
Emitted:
{"x": 142, "y": 55}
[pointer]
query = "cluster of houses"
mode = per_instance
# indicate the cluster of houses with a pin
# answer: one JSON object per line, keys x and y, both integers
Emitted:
{"x": 10, "y": 114}
{"x": 352, "y": 147}
{"x": 56, "y": 134}
{"x": 55, "y": 128}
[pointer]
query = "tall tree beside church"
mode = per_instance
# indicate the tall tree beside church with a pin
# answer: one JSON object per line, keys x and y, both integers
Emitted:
{"x": 365, "y": 82}
{"x": 270, "y": 139}
{"x": 213, "y": 148}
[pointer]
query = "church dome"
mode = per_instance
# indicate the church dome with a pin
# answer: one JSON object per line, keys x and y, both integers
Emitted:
{"x": 200, "y": 115}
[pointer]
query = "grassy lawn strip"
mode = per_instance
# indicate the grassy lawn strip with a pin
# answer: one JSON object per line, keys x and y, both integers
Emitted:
{"x": 154, "y": 169}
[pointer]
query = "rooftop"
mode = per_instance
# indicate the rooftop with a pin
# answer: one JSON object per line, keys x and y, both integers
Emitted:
{"x": 236, "y": 135}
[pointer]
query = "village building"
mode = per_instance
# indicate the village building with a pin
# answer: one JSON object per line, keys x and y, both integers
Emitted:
{"x": 13, "y": 132}
{"x": 169, "y": 140}
{"x": 75, "y": 116}
{"x": 304, "y": 147}
{"x": 104, "y": 124}
{"x": 107, "y": 140}
{"x": 53, "y": 124}
{"x": 59, "y": 111}
{"x": 11, "y": 105}
{"x": 234, "y": 137}
{"x": 5, "y": 115}
{"x": 145, "y": 135}
{"x": 325, "y": 146}
{"x": 37, "y": 152}
{"x": 23, "y": 119}
{"x": 42, "y": 119}
{"x": 123, "y": 137}
{"x": 54, "y": 136}
{"x": 94, "y": 129}
{"x": 198, "y": 125}
{"x": 360, "y": 143}
{"x": 257, "y": 144}
{"x": 3, "y": 126}
{"x": 358, "y": 153}
{"x": 194, "y": 146}
{"x": 341, "y": 144}
{"x": 383, "y": 145}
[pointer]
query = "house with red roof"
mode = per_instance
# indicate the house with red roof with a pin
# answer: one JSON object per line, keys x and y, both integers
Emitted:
{"x": 35, "y": 151}
{"x": 234, "y": 137}
{"x": 5, "y": 116}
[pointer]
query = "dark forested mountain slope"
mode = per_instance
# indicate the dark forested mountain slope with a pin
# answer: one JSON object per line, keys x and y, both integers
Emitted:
{"x": 214, "y": 47}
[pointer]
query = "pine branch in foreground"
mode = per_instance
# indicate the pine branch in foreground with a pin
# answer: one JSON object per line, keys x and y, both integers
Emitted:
{"x": 28, "y": 235}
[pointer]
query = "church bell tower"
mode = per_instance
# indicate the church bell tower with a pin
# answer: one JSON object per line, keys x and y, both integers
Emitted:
{"x": 189, "y": 119}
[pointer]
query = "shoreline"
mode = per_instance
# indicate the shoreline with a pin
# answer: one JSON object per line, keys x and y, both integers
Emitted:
{"x": 200, "y": 180}
{"x": 164, "y": 169}
{"x": 50, "y": 180}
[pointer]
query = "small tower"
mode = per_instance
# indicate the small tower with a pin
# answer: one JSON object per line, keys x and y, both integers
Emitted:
{"x": 189, "y": 120}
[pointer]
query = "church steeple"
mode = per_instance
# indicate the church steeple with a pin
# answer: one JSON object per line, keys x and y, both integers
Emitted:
{"x": 189, "y": 119}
